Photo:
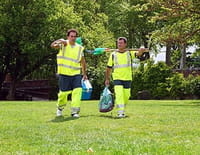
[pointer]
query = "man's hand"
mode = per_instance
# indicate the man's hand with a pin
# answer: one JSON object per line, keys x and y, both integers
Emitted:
{"x": 58, "y": 43}
{"x": 143, "y": 54}
{"x": 107, "y": 82}
{"x": 141, "y": 51}
{"x": 85, "y": 77}
{"x": 63, "y": 41}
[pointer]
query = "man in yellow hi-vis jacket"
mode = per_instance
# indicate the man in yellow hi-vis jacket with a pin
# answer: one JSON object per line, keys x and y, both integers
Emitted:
{"x": 120, "y": 61}
{"x": 70, "y": 61}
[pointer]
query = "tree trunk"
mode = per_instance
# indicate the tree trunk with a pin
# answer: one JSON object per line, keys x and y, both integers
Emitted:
{"x": 145, "y": 39}
{"x": 12, "y": 90}
{"x": 168, "y": 54}
{"x": 183, "y": 56}
{"x": 130, "y": 39}
{"x": 2, "y": 77}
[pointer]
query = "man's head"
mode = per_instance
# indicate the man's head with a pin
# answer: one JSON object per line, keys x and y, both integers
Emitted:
{"x": 71, "y": 35}
{"x": 121, "y": 43}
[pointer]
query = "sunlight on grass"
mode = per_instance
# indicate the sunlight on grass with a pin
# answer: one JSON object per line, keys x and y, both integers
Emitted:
{"x": 152, "y": 127}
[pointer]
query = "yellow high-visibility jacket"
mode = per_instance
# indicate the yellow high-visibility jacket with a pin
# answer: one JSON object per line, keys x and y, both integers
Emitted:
{"x": 68, "y": 59}
{"x": 121, "y": 64}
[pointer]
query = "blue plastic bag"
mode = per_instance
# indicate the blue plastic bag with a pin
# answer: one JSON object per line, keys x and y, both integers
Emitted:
{"x": 106, "y": 102}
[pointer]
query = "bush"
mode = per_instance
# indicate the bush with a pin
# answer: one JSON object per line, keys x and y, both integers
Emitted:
{"x": 193, "y": 86}
{"x": 138, "y": 81}
{"x": 184, "y": 88}
{"x": 151, "y": 77}
{"x": 177, "y": 85}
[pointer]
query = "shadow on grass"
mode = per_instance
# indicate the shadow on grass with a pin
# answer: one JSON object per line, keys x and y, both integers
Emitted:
{"x": 62, "y": 119}
{"x": 82, "y": 116}
{"x": 194, "y": 103}
{"x": 65, "y": 119}
{"x": 113, "y": 117}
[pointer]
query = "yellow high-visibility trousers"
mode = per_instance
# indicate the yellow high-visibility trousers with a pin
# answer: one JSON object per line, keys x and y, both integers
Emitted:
{"x": 127, "y": 94}
{"x": 62, "y": 99}
{"x": 76, "y": 100}
{"x": 122, "y": 96}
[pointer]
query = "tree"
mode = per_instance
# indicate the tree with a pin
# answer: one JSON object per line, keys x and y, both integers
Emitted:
{"x": 34, "y": 25}
{"x": 27, "y": 28}
{"x": 181, "y": 23}
{"x": 193, "y": 60}
{"x": 129, "y": 19}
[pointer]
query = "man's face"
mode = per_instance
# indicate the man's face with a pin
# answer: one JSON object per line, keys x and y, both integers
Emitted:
{"x": 121, "y": 44}
{"x": 72, "y": 37}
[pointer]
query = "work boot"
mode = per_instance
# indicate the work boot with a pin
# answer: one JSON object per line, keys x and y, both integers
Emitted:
{"x": 59, "y": 112}
{"x": 121, "y": 116}
{"x": 75, "y": 115}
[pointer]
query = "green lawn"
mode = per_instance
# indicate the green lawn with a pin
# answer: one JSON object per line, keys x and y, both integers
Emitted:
{"x": 152, "y": 127}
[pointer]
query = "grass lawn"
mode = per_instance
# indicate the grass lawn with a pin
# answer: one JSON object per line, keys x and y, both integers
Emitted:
{"x": 151, "y": 128}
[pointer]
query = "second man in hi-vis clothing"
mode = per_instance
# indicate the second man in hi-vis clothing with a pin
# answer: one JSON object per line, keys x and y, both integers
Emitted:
{"x": 70, "y": 62}
{"x": 120, "y": 62}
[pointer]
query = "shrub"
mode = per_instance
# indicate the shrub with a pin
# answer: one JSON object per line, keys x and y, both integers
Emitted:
{"x": 138, "y": 81}
{"x": 193, "y": 86}
{"x": 151, "y": 77}
{"x": 177, "y": 85}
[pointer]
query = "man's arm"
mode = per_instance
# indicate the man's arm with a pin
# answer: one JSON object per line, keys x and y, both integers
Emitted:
{"x": 141, "y": 51}
{"x": 83, "y": 64}
{"x": 56, "y": 44}
{"x": 108, "y": 72}
{"x": 142, "y": 54}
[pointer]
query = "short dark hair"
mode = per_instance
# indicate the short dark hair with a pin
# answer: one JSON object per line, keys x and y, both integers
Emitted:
{"x": 72, "y": 30}
{"x": 122, "y": 38}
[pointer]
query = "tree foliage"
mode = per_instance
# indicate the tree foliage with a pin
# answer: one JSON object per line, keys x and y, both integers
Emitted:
{"x": 28, "y": 27}
{"x": 34, "y": 25}
{"x": 179, "y": 24}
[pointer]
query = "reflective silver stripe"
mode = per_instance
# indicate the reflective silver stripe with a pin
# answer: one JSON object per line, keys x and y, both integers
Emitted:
{"x": 120, "y": 111}
{"x": 77, "y": 60}
{"x": 122, "y": 66}
{"x": 67, "y": 58}
{"x": 71, "y": 67}
{"x": 116, "y": 65}
{"x": 75, "y": 110}
{"x": 63, "y": 51}
{"x": 120, "y": 105}
{"x": 115, "y": 59}
{"x": 79, "y": 54}
{"x": 129, "y": 57}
